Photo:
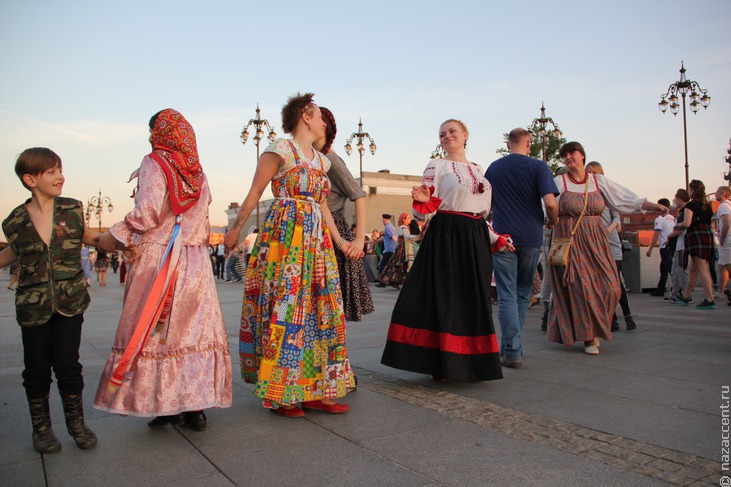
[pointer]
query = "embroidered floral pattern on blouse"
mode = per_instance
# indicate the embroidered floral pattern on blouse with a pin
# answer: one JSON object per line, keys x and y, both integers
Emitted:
{"x": 469, "y": 180}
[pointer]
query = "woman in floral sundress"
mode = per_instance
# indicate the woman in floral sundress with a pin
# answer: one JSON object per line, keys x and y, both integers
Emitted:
{"x": 292, "y": 339}
{"x": 586, "y": 292}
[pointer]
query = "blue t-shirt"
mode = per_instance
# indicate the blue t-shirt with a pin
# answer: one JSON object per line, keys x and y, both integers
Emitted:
{"x": 519, "y": 184}
{"x": 388, "y": 243}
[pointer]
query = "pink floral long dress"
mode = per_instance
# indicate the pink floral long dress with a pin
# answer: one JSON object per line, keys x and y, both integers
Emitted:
{"x": 191, "y": 369}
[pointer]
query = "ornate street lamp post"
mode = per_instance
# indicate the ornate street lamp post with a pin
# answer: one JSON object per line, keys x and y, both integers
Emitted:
{"x": 438, "y": 152}
{"x": 684, "y": 87}
{"x": 95, "y": 206}
{"x": 257, "y": 123}
{"x": 538, "y": 127}
{"x": 360, "y": 136}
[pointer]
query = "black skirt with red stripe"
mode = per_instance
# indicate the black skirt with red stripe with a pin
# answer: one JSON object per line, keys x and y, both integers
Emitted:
{"x": 442, "y": 322}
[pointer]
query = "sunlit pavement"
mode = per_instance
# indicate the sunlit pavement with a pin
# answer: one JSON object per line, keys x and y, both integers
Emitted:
{"x": 646, "y": 411}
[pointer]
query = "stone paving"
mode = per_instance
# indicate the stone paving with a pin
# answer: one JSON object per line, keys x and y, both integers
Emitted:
{"x": 647, "y": 411}
{"x": 674, "y": 467}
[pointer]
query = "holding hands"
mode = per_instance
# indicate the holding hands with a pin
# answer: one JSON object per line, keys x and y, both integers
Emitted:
{"x": 106, "y": 241}
{"x": 351, "y": 250}
{"x": 359, "y": 243}
{"x": 231, "y": 239}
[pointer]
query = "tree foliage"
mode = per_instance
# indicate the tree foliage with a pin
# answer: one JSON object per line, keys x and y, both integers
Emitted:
{"x": 553, "y": 144}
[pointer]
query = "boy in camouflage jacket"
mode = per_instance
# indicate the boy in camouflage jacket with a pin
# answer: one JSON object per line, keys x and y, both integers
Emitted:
{"x": 45, "y": 235}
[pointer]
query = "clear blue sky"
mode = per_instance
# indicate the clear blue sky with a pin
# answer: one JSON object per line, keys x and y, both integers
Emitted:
{"x": 83, "y": 78}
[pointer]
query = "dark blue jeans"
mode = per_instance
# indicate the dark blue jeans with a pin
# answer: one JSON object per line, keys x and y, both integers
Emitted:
{"x": 231, "y": 268}
{"x": 666, "y": 265}
{"x": 514, "y": 272}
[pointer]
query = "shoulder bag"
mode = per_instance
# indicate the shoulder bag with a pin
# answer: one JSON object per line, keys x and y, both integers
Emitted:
{"x": 558, "y": 253}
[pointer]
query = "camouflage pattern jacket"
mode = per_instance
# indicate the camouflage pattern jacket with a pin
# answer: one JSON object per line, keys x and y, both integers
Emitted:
{"x": 51, "y": 278}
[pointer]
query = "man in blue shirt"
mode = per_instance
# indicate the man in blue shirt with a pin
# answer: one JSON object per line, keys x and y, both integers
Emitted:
{"x": 521, "y": 187}
{"x": 390, "y": 239}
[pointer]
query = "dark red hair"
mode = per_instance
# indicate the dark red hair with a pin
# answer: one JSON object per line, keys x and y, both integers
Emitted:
{"x": 331, "y": 129}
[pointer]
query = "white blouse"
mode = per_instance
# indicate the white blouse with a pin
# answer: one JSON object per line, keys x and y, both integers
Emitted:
{"x": 460, "y": 186}
{"x": 616, "y": 196}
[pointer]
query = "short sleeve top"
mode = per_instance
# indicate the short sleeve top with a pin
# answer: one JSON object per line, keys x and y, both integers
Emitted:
{"x": 701, "y": 215}
{"x": 283, "y": 149}
{"x": 343, "y": 185}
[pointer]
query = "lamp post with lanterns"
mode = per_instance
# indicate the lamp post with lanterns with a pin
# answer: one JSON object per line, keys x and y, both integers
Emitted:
{"x": 438, "y": 152}
{"x": 259, "y": 125}
{"x": 540, "y": 128}
{"x": 96, "y": 205}
{"x": 698, "y": 98}
{"x": 359, "y": 136}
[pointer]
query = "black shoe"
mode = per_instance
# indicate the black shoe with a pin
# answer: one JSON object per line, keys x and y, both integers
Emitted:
{"x": 544, "y": 318}
{"x": 196, "y": 420}
{"x": 380, "y": 284}
{"x": 706, "y": 305}
{"x": 659, "y": 292}
{"x": 615, "y": 324}
{"x": 162, "y": 421}
{"x": 630, "y": 322}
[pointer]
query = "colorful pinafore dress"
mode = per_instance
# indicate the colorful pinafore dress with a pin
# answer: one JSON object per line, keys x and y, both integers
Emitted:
{"x": 292, "y": 338}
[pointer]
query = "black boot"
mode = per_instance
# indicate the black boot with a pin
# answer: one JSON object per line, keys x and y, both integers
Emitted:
{"x": 615, "y": 322}
{"x": 162, "y": 421}
{"x": 195, "y": 420}
{"x": 631, "y": 325}
{"x": 73, "y": 410}
{"x": 658, "y": 292}
{"x": 544, "y": 320}
{"x": 44, "y": 441}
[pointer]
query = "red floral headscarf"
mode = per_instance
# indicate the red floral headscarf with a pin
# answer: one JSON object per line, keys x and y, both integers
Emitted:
{"x": 174, "y": 148}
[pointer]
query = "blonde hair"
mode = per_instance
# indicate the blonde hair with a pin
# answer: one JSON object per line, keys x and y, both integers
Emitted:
{"x": 594, "y": 168}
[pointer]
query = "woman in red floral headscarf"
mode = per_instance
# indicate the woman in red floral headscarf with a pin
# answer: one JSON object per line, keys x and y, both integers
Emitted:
{"x": 170, "y": 358}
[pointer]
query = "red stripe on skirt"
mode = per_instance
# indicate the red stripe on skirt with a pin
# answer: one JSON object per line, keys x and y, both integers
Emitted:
{"x": 446, "y": 342}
